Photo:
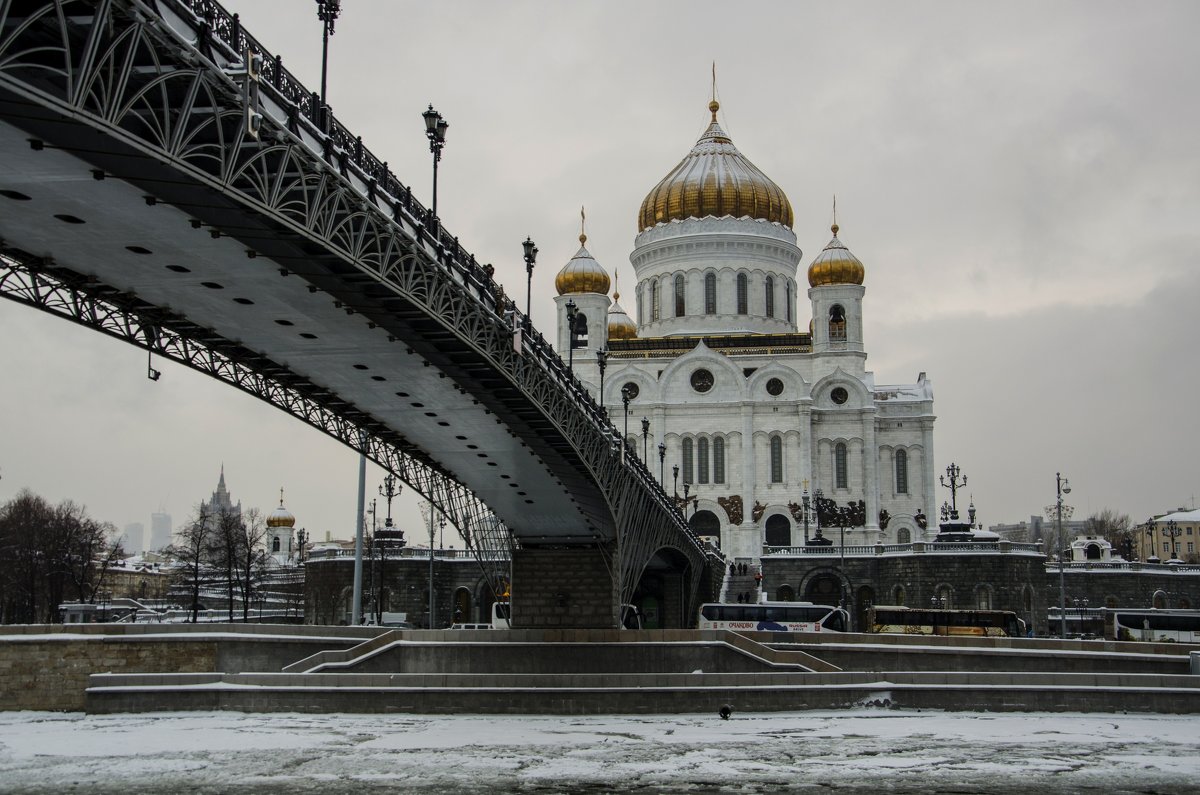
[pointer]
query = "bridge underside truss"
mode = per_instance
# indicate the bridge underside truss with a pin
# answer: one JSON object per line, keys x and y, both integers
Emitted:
{"x": 166, "y": 81}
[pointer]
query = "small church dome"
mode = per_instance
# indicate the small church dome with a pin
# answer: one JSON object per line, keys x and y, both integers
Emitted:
{"x": 582, "y": 274}
{"x": 281, "y": 517}
{"x": 835, "y": 265}
{"x": 620, "y": 325}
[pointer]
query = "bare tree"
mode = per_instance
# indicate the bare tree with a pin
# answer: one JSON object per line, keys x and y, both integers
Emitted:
{"x": 226, "y": 552}
{"x": 1115, "y": 527}
{"x": 252, "y": 568}
{"x": 192, "y": 548}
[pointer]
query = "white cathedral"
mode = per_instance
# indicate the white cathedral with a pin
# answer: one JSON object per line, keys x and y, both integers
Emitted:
{"x": 756, "y": 414}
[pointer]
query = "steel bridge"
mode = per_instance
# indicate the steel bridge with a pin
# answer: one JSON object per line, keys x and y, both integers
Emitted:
{"x": 164, "y": 180}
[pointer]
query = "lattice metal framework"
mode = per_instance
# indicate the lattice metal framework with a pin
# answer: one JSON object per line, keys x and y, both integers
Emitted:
{"x": 172, "y": 94}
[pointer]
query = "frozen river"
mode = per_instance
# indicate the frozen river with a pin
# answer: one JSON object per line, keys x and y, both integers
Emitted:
{"x": 866, "y": 750}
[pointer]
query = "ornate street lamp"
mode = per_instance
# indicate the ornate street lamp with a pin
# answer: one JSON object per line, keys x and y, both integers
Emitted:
{"x": 675, "y": 472}
{"x": 435, "y": 131}
{"x": 1061, "y": 486}
{"x": 602, "y": 363}
{"x": 531, "y": 252}
{"x": 645, "y": 439}
{"x": 301, "y": 540}
{"x": 804, "y": 509}
{"x": 389, "y": 490}
{"x": 1172, "y": 531}
{"x": 625, "y": 398}
{"x": 662, "y": 463}
{"x": 1153, "y": 556}
{"x": 572, "y": 312}
{"x": 327, "y": 12}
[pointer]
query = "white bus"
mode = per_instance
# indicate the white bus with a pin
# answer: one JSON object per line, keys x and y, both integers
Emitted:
{"x": 774, "y": 617}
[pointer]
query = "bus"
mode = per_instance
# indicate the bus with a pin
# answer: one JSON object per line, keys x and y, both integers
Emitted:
{"x": 1151, "y": 625}
{"x": 774, "y": 617}
{"x": 896, "y": 619}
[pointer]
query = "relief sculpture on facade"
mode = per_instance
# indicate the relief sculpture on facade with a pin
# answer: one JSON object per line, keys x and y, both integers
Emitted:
{"x": 732, "y": 507}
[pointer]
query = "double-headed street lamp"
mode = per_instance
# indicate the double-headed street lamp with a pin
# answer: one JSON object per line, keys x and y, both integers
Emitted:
{"x": 572, "y": 313}
{"x": 327, "y": 12}
{"x": 531, "y": 252}
{"x": 1062, "y": 486}
{"x": 1172, "y": 531}
{"x": 435, "y": 131}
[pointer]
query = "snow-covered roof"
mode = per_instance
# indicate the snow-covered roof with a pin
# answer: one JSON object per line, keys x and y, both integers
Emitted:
{"x": 1186, "y": 517}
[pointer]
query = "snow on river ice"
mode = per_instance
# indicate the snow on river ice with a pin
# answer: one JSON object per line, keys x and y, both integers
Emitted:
{"x": 865, "y": 750}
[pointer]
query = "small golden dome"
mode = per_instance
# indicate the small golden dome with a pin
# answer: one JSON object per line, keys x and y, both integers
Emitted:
{"x": 715, "y": 179}
{"x": 835, "y": 265}
{"x": 582, "y": 274}
{"x": 620, "y": 325}
{"x": 281, "y": 517}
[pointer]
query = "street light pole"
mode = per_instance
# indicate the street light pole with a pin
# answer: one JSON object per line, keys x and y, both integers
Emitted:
{"x": 1172, "y": 531}
{"x": 675, "y": 472}
{"x": 625, "y": 398}
{"x": 531, "y": 252}
{"x": 1062, "y": 486}
{"x": 804, "y": 503}
{"x": 602, "y": 363}
{"x": 662, "y": 463}
{"x": 327, "y": 12}
{"x": 435, "y": 131}
{"x": 572, "y": 311}
{"x": 645, "y": 440}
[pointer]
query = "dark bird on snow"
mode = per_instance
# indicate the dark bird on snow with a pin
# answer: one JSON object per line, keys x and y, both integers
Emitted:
{"x": 725, "y": 711}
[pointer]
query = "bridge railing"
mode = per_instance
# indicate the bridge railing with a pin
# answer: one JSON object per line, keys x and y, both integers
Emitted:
{"x": 346, "y": 151}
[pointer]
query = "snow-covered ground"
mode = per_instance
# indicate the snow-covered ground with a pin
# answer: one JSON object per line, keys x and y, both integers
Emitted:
{"x": 865, "y": 750}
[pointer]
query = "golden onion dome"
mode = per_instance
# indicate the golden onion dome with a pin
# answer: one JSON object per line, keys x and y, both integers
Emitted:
{"x": 281, "y": 517}
{"x": 715, "y": 179}
{"x": 620, "y": 325}
{"x": 835, "y": 265}
{"x": 582, "y": 274}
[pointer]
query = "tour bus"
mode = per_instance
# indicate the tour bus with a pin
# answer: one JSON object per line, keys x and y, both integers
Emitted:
{"x": 774, "y": 617}
{"x": 1152, "y": 625}
{"x": 896, "y": 619}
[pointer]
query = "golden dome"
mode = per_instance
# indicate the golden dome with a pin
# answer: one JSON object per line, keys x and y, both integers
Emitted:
{"x": 582, "y": 274}
{"x": 620, "y": 325}
{"x": 281, "y": 517}
{"x": 715, "y": 179}
{"x": 835, "y": 265}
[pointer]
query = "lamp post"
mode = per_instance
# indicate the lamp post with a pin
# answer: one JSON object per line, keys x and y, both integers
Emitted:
{"x": 818, "y": 495}
{"x": 572, "y": 311}
{"x": 389, "y": 490}
{"x": 1080, "y": 608}
{"x": 435, "y": 131}
{"x": 625, "y": 398}
{"x": 686, "y": 488}
{"x": 804, "y": 508}
{"x": 301, "y": 540}
{"x": 327, "y": 12}
{"x": 675, "y": 491}
{"x": 1153, "y": 556}
{"x": 602, "y": 363}
{"x": 531, "y": 252}
{"x": 1172, "y": 531}
{"x": 1062, "y": 486}
{"x": 645, "y": 439}
{"x": 662, "y": 463}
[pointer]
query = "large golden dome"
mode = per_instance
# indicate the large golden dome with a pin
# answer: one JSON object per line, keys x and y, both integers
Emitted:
{"x": 715, "y": 179}
{"x": 582, "y": 274}
{"x": 835, "y": 265}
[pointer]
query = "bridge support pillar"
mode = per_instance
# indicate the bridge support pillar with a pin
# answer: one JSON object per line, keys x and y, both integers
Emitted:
{"x": 563, "y": 588}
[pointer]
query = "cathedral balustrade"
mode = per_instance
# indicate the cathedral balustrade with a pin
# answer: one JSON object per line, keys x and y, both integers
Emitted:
{"x": 916, "y": 548}
{"x": 1125, "y": 565}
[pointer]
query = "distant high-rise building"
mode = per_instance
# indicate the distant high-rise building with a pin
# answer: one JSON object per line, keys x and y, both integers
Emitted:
{"x": 160, "y": 530}
{"x": 133, "y": 540}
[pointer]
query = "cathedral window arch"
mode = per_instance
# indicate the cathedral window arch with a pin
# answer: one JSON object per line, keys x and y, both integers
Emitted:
{"x": 718, "y": 453}
{"x": 776, "y": 459}
{"x": 654, "y": 304}
{"x": 579, "y": 339}
{"x": 710, "y": 293}
{"x": 743, "y": 294}
{"x": 840, "y": 472}
{"x": 837, "y": 323}
{"x": 769, "y": 294}
{"x": 275, "y": 544}
{"x": 680, "y": 296}
{"x": 902, "y": 472}
{"x": 787, "y": 307}
{"x": 702, "y": 460}
{"x": 641, "y": 304}
{"x": 686, "y": 455}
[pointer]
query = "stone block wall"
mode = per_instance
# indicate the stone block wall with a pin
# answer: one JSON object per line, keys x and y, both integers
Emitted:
{"x": 555, "y": 588}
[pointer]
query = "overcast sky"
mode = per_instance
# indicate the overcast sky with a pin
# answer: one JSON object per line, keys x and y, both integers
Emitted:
{"x": 1021, "y": 181}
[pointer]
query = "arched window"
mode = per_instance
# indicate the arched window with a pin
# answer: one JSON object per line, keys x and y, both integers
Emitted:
{"x": 779, "y": 531}
{"x": 770, "y": 296}
{"x": 710, "y": 294}
{"x": 840, "y": 480}
{"x": 901, "y": 472}
{"x": 702, "y": 460}
{"x": 654, "y": 306}
{"x": 687, "y": 461}
{"x": 680, "y": 302}
{"x": 641, "y": 304}
{"x": 898, "y": 595}
{"x": 743, "y": 292}
{"x": 275, "y": 544}
{"x": 837, "y": 323}
{"x": 788, "y": 305}
{"x": 776, "y": 459}
{"x": 983, "y": 597}
{"x": 785, "y": 593}
{"x": 718, "y": 460}
{"x": 580, "y": 338}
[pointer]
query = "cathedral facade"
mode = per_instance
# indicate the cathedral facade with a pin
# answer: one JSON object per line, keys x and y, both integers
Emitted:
{"x": 738, "y": 398}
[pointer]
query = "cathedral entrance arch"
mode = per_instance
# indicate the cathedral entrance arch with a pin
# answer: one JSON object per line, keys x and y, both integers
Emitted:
{"x": 462, "y": 606}
{"x": 779, "y": 531}
{"x": 706, "y": 523}
{"x": 824, "y": 589}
